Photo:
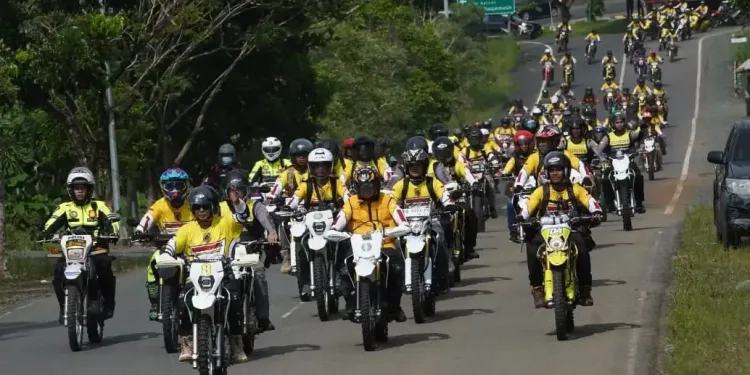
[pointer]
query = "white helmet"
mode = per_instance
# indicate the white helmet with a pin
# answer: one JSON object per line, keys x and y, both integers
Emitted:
{"x": 320, "y": 156}
{"x": 271, "y": 148}
{"x": 485, "y": 132}
{"x": 81, "y": 173}
{"x": 548, "y": 51}
{"x": 536, "y": 110}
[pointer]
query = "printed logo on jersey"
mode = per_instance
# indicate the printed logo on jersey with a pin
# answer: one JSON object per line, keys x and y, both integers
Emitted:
{"x": 73, "y": 214}
{"x": 208, "y": 248}
{"x": 171, "y": 228}
{"x": 92, "y": 214}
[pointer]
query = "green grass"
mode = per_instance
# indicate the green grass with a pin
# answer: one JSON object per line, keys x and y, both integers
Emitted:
{"x": 581, "y": 29}
{"x": 709, "y": 321}
{"x": 502, "y": 55}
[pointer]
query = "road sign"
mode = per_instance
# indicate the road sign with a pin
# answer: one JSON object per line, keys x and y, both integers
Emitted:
{"x": 492, "y": 7}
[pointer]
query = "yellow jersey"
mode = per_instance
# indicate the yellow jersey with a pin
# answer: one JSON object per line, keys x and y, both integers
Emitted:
{"x": 419, "y": 193}
{"x": 580, "y": 149}
{"x": 364, "y": 216}
{"x": 318, "y": 193}
{"x": 533, "y": 165}
{"x": 71, "y": 215}
{"x": 557, "y": 198}
{"x": 192, "y": 240}
{"x": 290, "y": 185}
{"x": 168, "y": 218}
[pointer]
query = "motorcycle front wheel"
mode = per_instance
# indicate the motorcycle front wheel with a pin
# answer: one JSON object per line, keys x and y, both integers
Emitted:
{"x": 75, "y": 312}
{"x": 321, "y": 291}
{"x": 170, "y": 319}
{"x": 205, "y": 345}
{"x": 563, "y": 312}
{"x": 367, "y": 318}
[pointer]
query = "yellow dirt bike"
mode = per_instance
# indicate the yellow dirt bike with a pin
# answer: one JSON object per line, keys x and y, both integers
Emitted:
{"x": 558, "y": 256}
{"x": 568, "y": 74}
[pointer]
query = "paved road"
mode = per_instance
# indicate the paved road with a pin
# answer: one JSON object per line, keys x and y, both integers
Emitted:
{"x": 487, "y": 323}
{"x": 578, "y": 11}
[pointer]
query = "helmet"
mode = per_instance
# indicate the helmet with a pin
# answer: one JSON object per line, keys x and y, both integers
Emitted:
{"x": 300, "y": 146}
{"x": 556, "y": 159}
{"x": 465, "y": 128}
{"x": 442, "y": 148}
{"x": 485, "y": 132}
{"x": 236, "y": 180}
{"x": 657, "y": 84}
{"x": 227, "y": 155}
{"x": 349, "y": 142}
{"x": 458, "y": 133}
{"x": 367, "y": 182}
{"x": 523, "y": 135}
{"x": 174, "y": 184}
{"x": 329, "y": 145}
{"x": 475, "y": 137}
{"x": 531, "y": 125}
{"x": 81, "y": 176}
{"x": 320, "y": 159}
{"x": 625, "y": 90}
{"x": 271, "y": 148}
{"x": 381, "y": 147}
{"x": 365, "y": 147}
{"x": 413, "y": 157}
{"x": 567, "y": 53}
{"x": 641, "y": 81}
{"x": 506, "y": 121}
{"x": 536, "y": 111}
{"x": 487, "y": 125}
{"x": 589, "y": 91}
{"x": 548, "y": 51}
{"x": 545, "y": 93}
{"x": 547, "y": 133}
{"x": 204, "y": 196}
{"x": 438, "y": 130}
{"x": 417, "y": 143}
{"x": 609, "y": 52}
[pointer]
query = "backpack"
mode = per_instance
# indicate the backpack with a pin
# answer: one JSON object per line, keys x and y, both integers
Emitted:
{"x": 571, "y": 197}
{"x": 321, "y": 202}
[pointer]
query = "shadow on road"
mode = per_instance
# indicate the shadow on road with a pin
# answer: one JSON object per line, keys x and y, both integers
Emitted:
{"x": 646, "y": 228}
{"x": 7, "y": 330}
{"x": 473, "y": 267}
{"x": 482, "y": 280}
{"x": 413, "y": 338}
{"x": 593, "y": 329}
{"x": 607, "y": 282}
{"x": 121, "y": 339}
{"x": 459, "y": 293}
{"x": 607, "y": 245}
{"x": 273, "y": 351}
{"x": 460, "y": 313}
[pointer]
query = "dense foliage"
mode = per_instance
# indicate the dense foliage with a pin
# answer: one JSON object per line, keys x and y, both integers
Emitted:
{"x": 188, "y": 75}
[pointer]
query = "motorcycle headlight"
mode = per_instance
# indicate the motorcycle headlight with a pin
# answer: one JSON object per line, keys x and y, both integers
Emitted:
{"x": 739, "y": 187}
{"x": 319, "y": 227}
{"x": 206, "y": 282}
{"x": 416, "y": 226}
{"x": 556, "y": 243}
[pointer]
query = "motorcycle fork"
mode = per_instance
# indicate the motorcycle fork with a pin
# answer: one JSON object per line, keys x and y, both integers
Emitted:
{"x": 80, "y": 285}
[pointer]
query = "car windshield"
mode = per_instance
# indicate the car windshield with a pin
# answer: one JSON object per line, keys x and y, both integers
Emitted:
{"x": 741, "y": 152}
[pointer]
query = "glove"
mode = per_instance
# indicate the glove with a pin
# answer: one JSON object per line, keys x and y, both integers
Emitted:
{"x": 517, "y": 188}
{"x": 598, "y": 216}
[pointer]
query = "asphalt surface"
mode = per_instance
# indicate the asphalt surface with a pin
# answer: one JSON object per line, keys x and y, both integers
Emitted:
{"x": 578, "y": 11}
{"x": 487, "y": 324}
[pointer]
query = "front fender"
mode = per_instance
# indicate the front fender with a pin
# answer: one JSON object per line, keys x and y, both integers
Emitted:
{"x": 316, "y": 243}
{"x": 73, "y": 270}
{"x": 364, "y": 269}
{"x": 415, "y": 244}
{"x": 557, "y": 258}
{"x": 203, "y": 301}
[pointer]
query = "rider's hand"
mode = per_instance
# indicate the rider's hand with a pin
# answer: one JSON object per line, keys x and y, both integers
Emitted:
{"x": 273, "y": 238}
{"x": 137, "y": 234}
{"x": 234, "y": 197}
{"x": 518, "y": 188}
{"x": 598, "y": 217}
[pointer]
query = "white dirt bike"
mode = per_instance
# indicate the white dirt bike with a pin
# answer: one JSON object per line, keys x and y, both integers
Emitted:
{"x": 371, "y": 268}
{"x": 208, "y": 302}
{"x": 622, "y": 179}
{"x": 419, "y": 263}
{"x": 321, "y": 256}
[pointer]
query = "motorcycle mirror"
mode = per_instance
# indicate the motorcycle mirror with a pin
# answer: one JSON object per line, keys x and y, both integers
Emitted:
{"x": 715, "y": 157}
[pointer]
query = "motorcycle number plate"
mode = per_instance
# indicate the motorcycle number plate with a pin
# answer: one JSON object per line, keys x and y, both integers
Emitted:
{"x": 206, "y": 269}
{"x": 417, "y": 211}
{"x": 75, "y": 243}
{"x": 556, "y": 232}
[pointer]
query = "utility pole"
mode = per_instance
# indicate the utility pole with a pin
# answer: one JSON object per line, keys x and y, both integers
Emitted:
{"x": 446, "y": 9}
{"x": 114, "y": 164}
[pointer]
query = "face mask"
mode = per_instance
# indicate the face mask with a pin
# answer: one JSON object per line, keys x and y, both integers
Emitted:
{"x": 226, "y": 160}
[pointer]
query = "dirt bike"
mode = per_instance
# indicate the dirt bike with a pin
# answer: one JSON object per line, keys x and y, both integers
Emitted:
{"x": 609, "y": 99}
{"x": 672, "y": 50}
{"x": 568, "y": 74}
{"x": 419, "y": 262}
{"x": 655, "y": 72}
{"x": 622, "y": 179}
{"x": 558, "y": 256}
{"x": 640, "y": 67}
{"x": 478, "y": 201}
{"x": 548, "y": 72}
{"x": 649, "y": 155}
{"x": 562, "y": 41}
{"x": 609, "y": 71}
{"x": 590, "y": 51}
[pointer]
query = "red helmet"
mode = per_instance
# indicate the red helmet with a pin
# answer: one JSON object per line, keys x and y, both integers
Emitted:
{"x": 523, "y": 135}
{"x": 349, "y": 142}
{"x": 652, "y": 52}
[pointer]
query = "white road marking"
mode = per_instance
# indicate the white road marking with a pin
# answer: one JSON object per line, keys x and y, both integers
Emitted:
{"x": 16, "y": 309}
{"x": 693, "y": 125}
{"x": 622, "y": 70}
{"x": 544, "y": 84}
{"x": 292, "y": 310}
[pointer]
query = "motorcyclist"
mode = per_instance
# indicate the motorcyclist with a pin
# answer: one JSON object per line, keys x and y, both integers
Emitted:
{"x": 702, "y": 9}
{"x": 227, "y": 162}
{"x": 660, "y": 93}
{"x": 477, "y": 151}
{"x": 568, "y": 59}
{"x": 210, "y": 233}
{"x": 547, "y": 140}
{"x": 641, "y": 88}
{"x": 506, "y": 128}
{"x": 169, "y": 213}
{"x": 609, "y": 58}
{"x": 333, "y": 147}
{"x": 609, "y": 85}
{"x": 457, "y": 137}
{"x": 593, "y": 36}
{"x": 416, "y": 187}
{"x": 565, "y": 93}
{"x": 589, "y": 97}
{"x": 559, "y": 194}
{"x": 621, "y": 138}
{"x": 93, "y": 216}
{"x": 257, "y": 222}
{"x": 524, "y": 142}
{"x": 544, "y": 97}
{"x": 627, "y": 38}
{"x": 287, "y": 184}
{"x": 268, "y": 169}
{"x": 363, "y": 212}
{"x": 563, "y": 26}
{"x": 518, "y": 107}
{"x": 653, "y": 58}
{"x": 382, "y": 152}
{"x": 363, "y": 153}
{"x": 322, "y": 188}
{"x": 536, "y": 114}
{"x": 450, "y": 169}
{"x": 547, "y": 57}
{"x": 578, "y": 144}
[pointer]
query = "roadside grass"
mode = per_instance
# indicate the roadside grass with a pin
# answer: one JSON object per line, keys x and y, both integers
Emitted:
{"x": 708, "y": 322}
{"x": 32, "y": 277}
{"x": 502, "y": 55}
{"x": 582, "y": 28}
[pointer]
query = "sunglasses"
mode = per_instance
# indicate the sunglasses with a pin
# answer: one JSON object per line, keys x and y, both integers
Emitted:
{"x": 201, "y": 207}
{"x": 175, "y": 185}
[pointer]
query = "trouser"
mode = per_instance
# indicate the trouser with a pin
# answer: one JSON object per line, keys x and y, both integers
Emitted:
{"x": 510, "y": 213}
{"x": 470, "y": 226}
{"x": 282, "y": 229}
{"x": 105, "y": 278}
{"x": 583, "y": 263}
{"x": 260, "y": 284}
{"x": 638, "y": 193}
{"x": 489, "y": 193}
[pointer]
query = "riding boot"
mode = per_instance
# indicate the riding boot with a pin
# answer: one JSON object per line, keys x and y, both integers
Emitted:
{"x": 238, "y": 349}
{"x": 153, "y": 297}
{"x": 537, "y": 293}
{"x": 186, "y": 350}
{"x": 286, "y": 265}
{"x": 584, "y": 297}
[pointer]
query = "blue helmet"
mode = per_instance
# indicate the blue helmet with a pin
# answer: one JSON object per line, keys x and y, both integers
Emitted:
{"x": 531, "y": 126}
{"x": 174, "y": 185}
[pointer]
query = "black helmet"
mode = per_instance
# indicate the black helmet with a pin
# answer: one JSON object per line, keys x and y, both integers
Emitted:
{"x": 641, "y": 81}
{"x": 556, "y": 159}
{"x": 487, "y": 124}
{"x": 506, "y": 121}
{"x": 589, "y": 91}
{"x": 300, "y": 146}
{"x": 204, "y": 195}
{"x": 366, "y": 148}
{"x": 609, "y": 52}
{"x": 657, "y": 84}
{"x": 475, "y": 137}
{"x": 417, "y": 143}
{"x": 465, "y": 129}
{"x": 416, "y": 156}
{"x": 237, "y": 180}
{"x": 329, "y": 145}
{"x": 458, "y": 132}
{"x": 438, "y": 130}
{"x": 626, "y": 90}
{"x": 545, "y": 93}
{"x": 227, "y": 155}
{"x": 567, "y": 53}
{"x": 442, "y": 149}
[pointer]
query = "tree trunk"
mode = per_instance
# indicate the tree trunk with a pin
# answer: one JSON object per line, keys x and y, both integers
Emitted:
{"x": 131, "y": 193}
{"x": 3, "y": 260}
{"x": 150, "y": 185}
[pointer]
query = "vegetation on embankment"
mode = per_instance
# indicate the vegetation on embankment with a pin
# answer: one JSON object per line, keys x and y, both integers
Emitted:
{"x": 708, "y": 325}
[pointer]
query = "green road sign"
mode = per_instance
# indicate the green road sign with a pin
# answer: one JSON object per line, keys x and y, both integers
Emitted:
{"x": 494, "y": 6}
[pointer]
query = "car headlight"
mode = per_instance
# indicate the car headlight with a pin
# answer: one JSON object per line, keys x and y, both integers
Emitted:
{"x": 206, "y": 282}
{"x": 739, "y": 187}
